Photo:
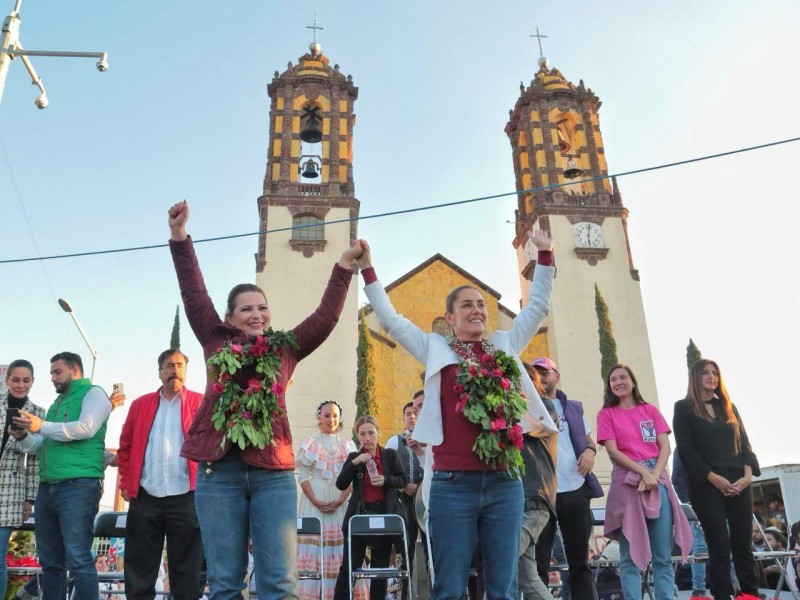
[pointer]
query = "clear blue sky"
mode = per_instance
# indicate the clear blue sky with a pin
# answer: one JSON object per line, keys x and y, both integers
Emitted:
{"x": 182, "y": 113}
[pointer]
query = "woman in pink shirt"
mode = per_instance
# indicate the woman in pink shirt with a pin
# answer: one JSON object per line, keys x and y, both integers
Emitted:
{"x": 642, "y": 506}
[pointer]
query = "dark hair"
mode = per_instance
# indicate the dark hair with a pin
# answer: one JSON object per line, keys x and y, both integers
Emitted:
{"x": 336, "y": 404}
{"x": 17, "y": 364}
{"x": 795, "y": 530}
{"x": 774, "y": 498}
{"x": 417, "y": 394}
{"x": 241, "y": 289}
{"x": 610, "y": 398}
{"x": 779, "y": 538}
{"x": 451, "y": 297}
{"x": 167, "y": 353}
{"x": 70, "y": 359}
{"x": 536, "y": 378}
{"x": 407, "y": 405}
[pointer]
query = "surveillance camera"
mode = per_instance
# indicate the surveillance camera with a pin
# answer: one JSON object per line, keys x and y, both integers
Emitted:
{"x": 41, "y": 101}
{"x": 102, "y": 64}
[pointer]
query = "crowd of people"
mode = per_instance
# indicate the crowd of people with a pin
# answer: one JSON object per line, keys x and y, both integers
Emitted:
{"x": 494, "y": 470}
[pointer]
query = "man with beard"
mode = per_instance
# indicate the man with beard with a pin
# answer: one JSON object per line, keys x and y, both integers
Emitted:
{"x": 70, "y": 445}
{"x": 159, "y": 485}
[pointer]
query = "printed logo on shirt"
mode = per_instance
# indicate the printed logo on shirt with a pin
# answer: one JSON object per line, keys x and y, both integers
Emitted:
{"x": 648, "y": 430}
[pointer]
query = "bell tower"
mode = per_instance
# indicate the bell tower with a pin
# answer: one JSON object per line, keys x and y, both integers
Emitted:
{"x": 309, "y": 207}
{"x": 554, "y": 130}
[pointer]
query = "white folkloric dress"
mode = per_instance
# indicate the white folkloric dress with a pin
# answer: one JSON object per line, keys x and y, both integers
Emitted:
{"x": 319, "y": 462}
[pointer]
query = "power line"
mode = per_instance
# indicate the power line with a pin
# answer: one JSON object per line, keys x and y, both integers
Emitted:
{"x": 417, "y": 209}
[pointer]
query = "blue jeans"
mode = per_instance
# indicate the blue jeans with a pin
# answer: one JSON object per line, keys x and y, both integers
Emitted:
{"x": 65, "y": 513}
{"x": 235, "y": 503}
{"x": 469, "y": 508}
{"x": 5, "y": 536}
{"x": 659, "y": 530}
{"x": 699, "y": 546}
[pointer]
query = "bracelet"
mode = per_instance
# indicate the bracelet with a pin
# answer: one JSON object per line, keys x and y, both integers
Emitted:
{"x": 592, "y": 448}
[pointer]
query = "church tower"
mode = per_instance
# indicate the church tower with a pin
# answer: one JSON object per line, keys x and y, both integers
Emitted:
{"x": 309, "y": 208}
{"x": 554, "y": 130}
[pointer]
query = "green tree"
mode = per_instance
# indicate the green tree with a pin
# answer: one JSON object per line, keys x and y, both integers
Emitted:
{"x": 365, "y": 375}
{"x": 692, "y": 353}
{"x": 175, "y": 338}
{"x": 608, "y": 345}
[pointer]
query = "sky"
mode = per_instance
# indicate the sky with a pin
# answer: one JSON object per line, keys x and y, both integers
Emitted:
{"x": 182, "y": 112}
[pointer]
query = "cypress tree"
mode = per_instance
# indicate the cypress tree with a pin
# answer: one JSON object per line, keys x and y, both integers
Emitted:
{"x": 365, "y": 375}
{"x": 175, "y": 339}
{"x": 692, "y": 353}
{"x": 608, "y": 345}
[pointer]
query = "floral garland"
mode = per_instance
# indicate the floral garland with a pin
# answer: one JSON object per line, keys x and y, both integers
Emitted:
{"x": 490, "y": 395}
{"x": 246, "y": 415}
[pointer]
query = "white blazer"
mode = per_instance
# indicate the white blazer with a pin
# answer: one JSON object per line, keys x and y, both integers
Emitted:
{"x": 432, "y": 350}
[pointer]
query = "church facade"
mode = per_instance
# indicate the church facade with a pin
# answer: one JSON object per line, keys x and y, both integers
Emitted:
{"x": 560, "y": 170}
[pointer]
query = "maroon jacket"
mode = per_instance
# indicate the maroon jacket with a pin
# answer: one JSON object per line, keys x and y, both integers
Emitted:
{"x": 203, "y": 442}
{"x": 136, "y": 432}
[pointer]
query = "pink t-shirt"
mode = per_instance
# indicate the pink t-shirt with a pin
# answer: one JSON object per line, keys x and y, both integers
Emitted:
{"x": 635, "y": 430}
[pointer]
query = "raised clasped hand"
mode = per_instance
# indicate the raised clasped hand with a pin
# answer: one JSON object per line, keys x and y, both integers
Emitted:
{"x": 541, "y": 239}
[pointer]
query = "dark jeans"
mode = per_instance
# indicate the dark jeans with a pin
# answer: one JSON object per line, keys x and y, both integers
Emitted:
{"x": 717, "y": 515}
{"x": 575, "y": 521}
{"x": 65, "y": 513}
{"x": 150, "y": 519}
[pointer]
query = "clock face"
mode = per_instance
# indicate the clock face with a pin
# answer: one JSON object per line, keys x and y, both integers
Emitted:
{"x": 588, "y": 235}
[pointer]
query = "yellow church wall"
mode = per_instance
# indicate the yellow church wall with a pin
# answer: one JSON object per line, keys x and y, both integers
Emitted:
{"x": 276, "y": 171}
{"x": 279, "y": 103}
{"x": 278, "y": 124}
{"x": 342, "y": 127}
{"x": 277, "y": 144}
{"x": 342, "y": 106}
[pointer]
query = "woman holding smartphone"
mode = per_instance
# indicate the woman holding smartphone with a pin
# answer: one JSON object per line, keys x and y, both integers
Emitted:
{"x": 19, "y": 472}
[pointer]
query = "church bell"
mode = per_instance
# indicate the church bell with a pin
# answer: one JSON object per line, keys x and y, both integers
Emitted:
{"x": 309, "y": 169}
{"x": 311, "y": 125}
{"x": 573, "y": 171}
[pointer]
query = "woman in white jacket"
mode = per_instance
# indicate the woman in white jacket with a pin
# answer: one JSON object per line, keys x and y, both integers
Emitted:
{"x": 478, "y": 403}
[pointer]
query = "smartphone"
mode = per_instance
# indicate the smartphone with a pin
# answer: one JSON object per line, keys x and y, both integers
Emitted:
{"x": 14, "y": 412}
{"x": 117, "y": 387}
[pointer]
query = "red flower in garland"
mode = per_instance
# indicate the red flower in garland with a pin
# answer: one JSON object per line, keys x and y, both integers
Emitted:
{"x": 515, "y": 436}
{"x": 499, "y": 423}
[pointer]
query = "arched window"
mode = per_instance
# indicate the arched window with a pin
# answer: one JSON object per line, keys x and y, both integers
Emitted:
{"x": 308, "y": 227}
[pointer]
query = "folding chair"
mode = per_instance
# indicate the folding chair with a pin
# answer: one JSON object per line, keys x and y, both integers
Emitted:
{"x": 377, "y": 525}
{"x": 312, "y": 527}
{"x": 111, "y": 525}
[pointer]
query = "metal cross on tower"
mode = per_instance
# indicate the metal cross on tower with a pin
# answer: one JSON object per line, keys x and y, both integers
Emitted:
{"x": 539, "y": 37}
{"x": 315, "y": 27}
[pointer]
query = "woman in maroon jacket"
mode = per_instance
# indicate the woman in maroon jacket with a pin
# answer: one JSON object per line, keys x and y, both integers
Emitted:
{"x": 240, "y": 436}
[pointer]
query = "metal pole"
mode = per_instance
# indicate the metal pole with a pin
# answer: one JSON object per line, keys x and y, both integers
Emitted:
{"x": 8, "y": 40}
{"x": 66, "y": 307}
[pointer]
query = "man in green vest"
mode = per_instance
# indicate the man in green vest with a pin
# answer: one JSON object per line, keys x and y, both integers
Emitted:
{"x": 70, "y": 444}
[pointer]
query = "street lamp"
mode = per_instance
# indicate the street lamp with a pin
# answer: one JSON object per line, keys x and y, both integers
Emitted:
{"x": 65, "y": 306}
{"x": 11, "y": 48}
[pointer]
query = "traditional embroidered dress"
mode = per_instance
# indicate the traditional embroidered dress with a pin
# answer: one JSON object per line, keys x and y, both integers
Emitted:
{"x": 319, "y": 462}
